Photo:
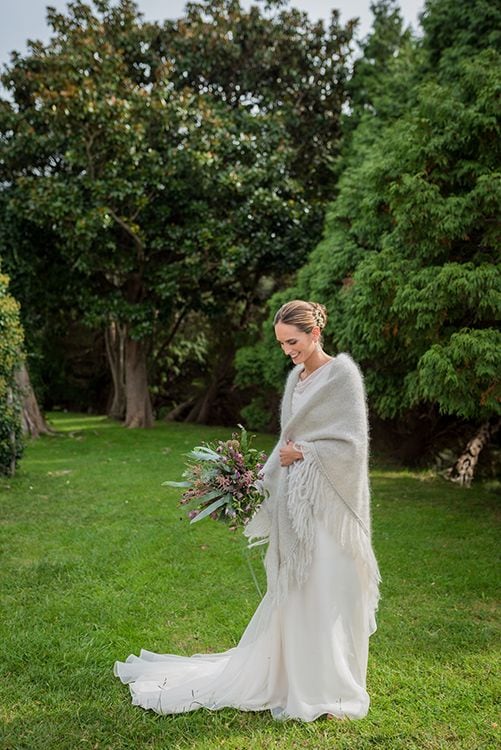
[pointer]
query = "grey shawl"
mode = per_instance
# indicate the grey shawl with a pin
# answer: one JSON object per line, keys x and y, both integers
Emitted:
{"x": 331, "y": 482}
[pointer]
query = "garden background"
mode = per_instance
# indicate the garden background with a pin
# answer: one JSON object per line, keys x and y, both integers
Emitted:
{"x": 165, "y": 187}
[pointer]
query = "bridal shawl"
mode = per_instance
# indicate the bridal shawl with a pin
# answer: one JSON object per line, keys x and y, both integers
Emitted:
{"x": 331, "y": 429}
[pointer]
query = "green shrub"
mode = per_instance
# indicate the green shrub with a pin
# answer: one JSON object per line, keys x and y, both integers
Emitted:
{"x": 11, "y": 341}
{"x": 256, "y": 415}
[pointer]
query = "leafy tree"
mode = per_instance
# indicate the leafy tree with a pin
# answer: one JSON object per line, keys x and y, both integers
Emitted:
{"x": 409, "y": 263}
{"x": 456, "y": 31}
{"x": 11, "y": 343}
{"x": 31, "y": 259}
{"x": 385, "y": 72}
{"x": 378, "y": 92}
{"x": 278, "y": 66}
{"x": 274, "y": 60}
{"x": 158, "y": 197}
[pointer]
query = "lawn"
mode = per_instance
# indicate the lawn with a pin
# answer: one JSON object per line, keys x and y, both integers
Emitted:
{"x": 98, "y": 560}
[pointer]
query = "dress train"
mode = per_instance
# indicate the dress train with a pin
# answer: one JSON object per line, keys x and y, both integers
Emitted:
{"x": 299, "y": 659}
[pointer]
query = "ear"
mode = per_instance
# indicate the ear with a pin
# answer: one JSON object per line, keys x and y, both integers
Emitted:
{"x": 315, "y": 332}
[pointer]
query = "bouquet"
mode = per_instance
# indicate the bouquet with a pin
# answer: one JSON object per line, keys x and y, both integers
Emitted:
{"x": 223, "y": 479}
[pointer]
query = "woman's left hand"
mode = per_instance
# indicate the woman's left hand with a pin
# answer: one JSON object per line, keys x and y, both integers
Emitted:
{"x": 288, "y": 454}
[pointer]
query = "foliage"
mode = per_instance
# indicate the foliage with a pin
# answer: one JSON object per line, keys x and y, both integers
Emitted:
{"x": 11, "y": 343}
{"x": 274, "y": 60}
{"x": 154, "y": 191}
{"x": 408, "y": 266}
{"x": 276, "y": 64}
{"x": 421, "y": 223}
{"x": 223, "y": 478}
{"x": 383, "y": 75}
{"x": 258, "y": 415}
{"x": 93, "y": 571}
{"x": 378, "y": 92}
{"x": 108, "y": 154}
{"x": 32, "y": 258}
{"x": 264, "y": 362}
{"x": 457, "y": 31}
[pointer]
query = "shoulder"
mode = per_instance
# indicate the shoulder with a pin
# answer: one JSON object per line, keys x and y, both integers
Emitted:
{"x": 346, "y": 372}
{"x": 344, "y": 363}
{"x": 293, "y": 376}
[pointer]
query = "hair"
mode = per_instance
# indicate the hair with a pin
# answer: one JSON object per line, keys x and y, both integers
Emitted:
{"x": 304, "y": 315}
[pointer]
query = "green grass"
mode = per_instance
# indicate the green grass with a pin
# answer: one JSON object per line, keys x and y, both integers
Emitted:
{"x": 98, "y": 561}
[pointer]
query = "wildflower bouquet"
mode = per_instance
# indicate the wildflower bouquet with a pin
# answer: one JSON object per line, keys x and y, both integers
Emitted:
{"x": 223, "y": 479}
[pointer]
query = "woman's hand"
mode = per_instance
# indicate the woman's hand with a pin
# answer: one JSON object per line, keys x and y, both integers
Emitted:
{"x": 288, "y": 454}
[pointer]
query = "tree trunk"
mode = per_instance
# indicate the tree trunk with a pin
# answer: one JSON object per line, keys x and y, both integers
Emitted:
{"x": 33, "y": 422}
{"x": 201, "y": 410}
{"x": 114, "y": 337}
{"x": 176, "y": 412}
{"x": 139, "y": 412}
{"x": 463, "y": 470}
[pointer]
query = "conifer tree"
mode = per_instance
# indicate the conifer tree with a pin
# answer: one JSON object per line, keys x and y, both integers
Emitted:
{"x": 409, "y": 263}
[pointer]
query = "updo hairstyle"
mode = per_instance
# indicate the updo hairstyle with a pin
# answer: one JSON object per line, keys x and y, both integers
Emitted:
{"x": 303, "y": 315}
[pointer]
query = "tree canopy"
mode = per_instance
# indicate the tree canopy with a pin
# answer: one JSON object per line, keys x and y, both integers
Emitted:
{"x": 409, "y": 263}
{"x": 163, "y": 191}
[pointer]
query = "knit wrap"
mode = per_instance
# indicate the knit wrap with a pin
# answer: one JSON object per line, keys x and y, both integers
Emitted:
{"x": 332, "y": 481}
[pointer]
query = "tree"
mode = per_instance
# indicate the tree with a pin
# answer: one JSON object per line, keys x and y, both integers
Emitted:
{"x": 30, "y": 258}
{"x": 163, "y": 197}
{"x": 142, "y": 185}
{"x": 409, "y": 261}
{"x": 11, "y": 343}
{"x": 292, "y": 73}
{"x": 276, "y": 61}
{"x": 378, "y": 92}
{"x": 32, "y": 420}
{"x": 456, "y": 31}
{"x": 385, "y": 72}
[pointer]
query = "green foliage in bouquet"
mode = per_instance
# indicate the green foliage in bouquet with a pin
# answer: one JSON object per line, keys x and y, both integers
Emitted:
{"x": 223, "y": 478}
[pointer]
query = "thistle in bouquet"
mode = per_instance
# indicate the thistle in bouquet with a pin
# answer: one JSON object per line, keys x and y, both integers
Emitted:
{"x": 223, "y": 480}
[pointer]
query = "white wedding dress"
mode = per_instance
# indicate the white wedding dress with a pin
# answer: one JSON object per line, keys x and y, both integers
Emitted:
{"x": 299, "y": 659}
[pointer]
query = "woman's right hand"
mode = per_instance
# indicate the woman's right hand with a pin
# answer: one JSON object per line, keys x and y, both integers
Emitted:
{"x": 289, "y": 454}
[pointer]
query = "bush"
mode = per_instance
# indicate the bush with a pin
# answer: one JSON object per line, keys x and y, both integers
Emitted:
{"x": 256, "y": 415}
{"x": 11, "y": 341}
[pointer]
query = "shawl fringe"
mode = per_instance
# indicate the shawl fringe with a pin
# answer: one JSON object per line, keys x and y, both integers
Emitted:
{"x": 310, "y": 495}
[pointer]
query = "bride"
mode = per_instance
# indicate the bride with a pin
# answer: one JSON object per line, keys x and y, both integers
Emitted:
{"x": 304, "y": 652}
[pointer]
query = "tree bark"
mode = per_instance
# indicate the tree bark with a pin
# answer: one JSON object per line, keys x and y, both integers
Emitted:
{"x": 139, "y": 412}
{"x": 33, "y": 422}
{"x": 114, "y": 337}
{"x": 463, "y": 470}
{"x": 176, "y": 412}
{"x": 201, "y": 410}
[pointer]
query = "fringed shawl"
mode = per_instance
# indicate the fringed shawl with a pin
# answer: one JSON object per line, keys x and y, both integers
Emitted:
{"x": 331, "y": 482}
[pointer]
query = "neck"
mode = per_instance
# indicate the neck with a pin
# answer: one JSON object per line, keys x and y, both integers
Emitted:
{"x": 314, "y": 361}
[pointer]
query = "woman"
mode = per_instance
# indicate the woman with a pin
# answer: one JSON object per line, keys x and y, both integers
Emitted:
{"x": 304, "y": 652}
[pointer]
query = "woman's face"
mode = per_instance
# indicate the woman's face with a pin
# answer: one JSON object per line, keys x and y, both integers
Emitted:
{"x": 296, "y": 344}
